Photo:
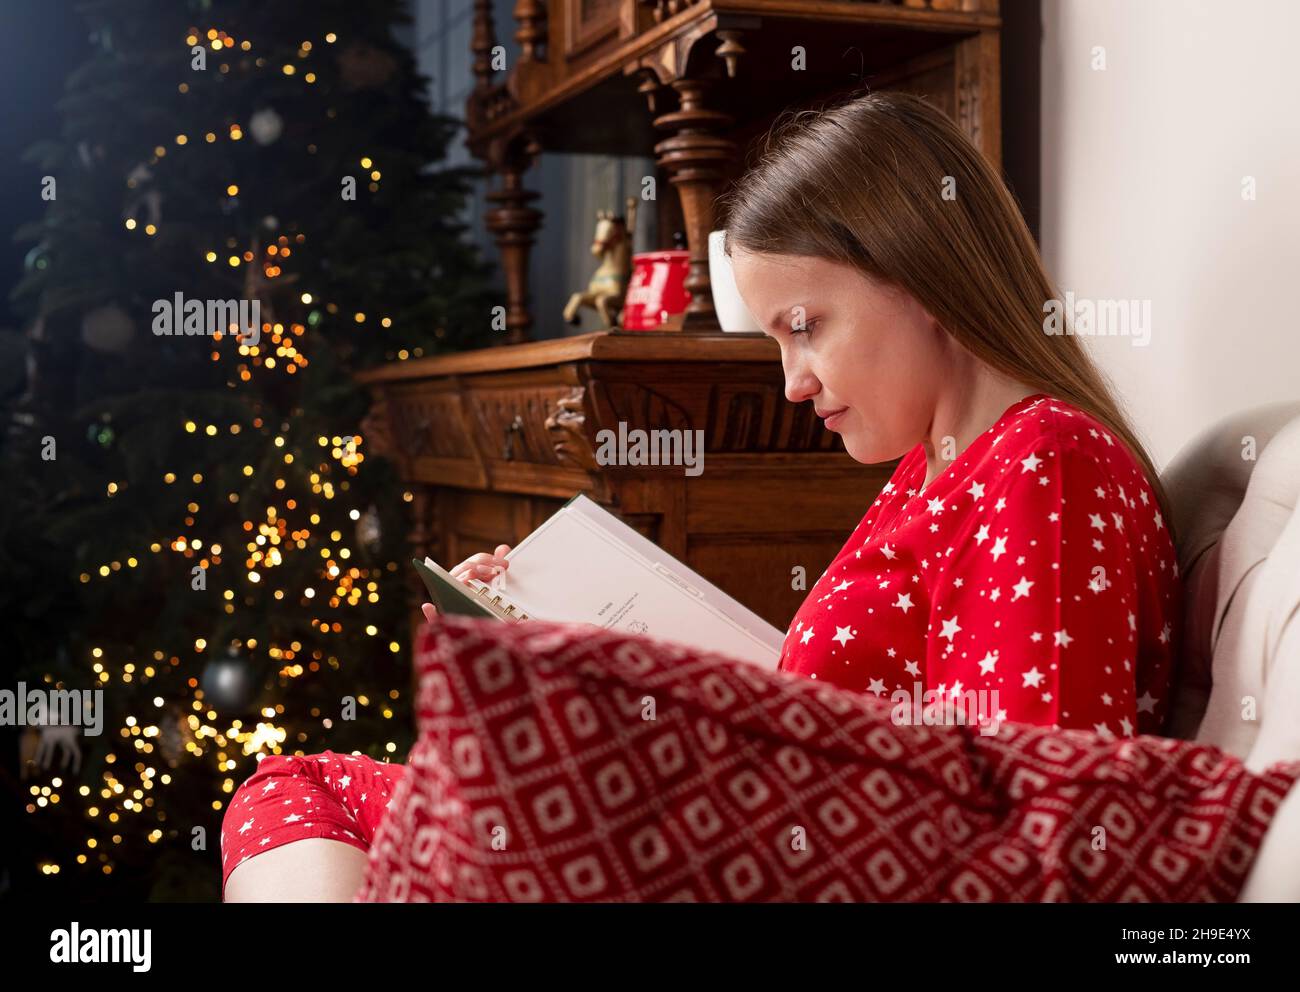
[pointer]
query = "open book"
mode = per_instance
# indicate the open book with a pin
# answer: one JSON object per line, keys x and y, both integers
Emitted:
{"x": 584, "y": 565}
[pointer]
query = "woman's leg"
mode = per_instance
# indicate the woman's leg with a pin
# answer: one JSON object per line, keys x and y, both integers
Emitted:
{"x": 707, "y": 800}
{"x": 312, "y": 870}
{"x": 298, "y": 830}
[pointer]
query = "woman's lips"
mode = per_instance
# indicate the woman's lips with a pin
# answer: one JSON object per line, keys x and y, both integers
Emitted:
{"x": 833, "y": 420}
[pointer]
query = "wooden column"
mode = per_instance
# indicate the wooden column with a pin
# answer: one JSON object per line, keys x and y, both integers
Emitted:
{"x": 696, "y": 159}
{"x": 514, "y": 223}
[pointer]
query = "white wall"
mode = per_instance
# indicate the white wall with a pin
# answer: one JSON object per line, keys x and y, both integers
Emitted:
{"x": 1142, "y": 166}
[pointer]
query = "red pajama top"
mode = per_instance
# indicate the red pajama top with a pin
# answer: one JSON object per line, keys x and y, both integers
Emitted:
{"x": 1036, "y": 564}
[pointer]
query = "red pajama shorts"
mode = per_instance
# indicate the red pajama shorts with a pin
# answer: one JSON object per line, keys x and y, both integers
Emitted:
{"x": 339, "y": 797}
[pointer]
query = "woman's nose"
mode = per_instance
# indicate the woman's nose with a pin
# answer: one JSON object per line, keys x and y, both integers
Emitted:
{"x": 800, "y": 383}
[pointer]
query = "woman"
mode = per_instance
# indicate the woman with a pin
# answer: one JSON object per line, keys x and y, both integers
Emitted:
{"x": 1020, "y": 549}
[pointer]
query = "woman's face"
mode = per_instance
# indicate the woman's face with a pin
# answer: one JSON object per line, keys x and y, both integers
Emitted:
{"x": 870, "y": 350}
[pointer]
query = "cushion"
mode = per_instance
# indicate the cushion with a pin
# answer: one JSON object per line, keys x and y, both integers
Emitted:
{"x": 558, "y": 764}
{"x": 1235, "y": 490}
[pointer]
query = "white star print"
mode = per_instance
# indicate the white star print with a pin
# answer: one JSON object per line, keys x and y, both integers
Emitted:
{"x": 943, "y": 579}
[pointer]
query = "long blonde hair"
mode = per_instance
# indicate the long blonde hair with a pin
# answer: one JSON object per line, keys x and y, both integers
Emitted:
{"x": 862, "y": 183}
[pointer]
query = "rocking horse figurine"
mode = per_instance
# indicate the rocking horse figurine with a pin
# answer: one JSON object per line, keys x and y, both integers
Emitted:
{"x": 612, "y": 244}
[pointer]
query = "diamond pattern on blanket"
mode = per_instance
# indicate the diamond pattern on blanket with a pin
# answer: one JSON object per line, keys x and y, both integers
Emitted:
{"x": 558, "y": 765}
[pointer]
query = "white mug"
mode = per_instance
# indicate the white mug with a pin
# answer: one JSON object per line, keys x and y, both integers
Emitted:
{"x": 732, "y": 313}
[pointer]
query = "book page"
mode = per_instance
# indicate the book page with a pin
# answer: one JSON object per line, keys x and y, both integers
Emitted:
{"x": 572, "y": 569}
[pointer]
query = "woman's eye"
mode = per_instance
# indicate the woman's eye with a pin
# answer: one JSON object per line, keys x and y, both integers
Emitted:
{"x": 807, "y": 328}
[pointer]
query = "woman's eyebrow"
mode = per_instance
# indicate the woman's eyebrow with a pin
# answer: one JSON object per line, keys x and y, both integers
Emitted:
{"x": 781, "y": 316}
{"x": 776, "y": 317}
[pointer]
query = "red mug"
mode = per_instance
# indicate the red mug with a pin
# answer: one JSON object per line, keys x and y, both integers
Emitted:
{"x": 656, "y": 289}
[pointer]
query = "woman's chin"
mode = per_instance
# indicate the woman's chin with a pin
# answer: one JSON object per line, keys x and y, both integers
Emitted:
{"x": 859, "y": 451}
{"x": 868, "y": 453}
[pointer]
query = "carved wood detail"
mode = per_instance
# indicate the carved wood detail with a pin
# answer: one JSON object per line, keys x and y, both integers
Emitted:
{"x": 697, "y": 159}
{"x": 686, "y": 47}
{"x": 489, "y": 449}
{"x": 513, "y": 222}
{"x": 530, "y": 15}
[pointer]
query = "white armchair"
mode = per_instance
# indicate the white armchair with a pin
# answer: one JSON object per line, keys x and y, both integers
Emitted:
{"x": 1238, "y": 536}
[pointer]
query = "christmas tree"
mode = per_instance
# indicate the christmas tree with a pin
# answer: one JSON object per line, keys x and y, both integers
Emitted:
{"x": 241, "y": 213}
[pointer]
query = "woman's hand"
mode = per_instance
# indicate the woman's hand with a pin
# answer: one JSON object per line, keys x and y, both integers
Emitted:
{"x": 483, "y": 566}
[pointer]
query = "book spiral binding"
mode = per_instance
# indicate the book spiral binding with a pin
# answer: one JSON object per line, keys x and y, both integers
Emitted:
{"x": 499, "y": 605}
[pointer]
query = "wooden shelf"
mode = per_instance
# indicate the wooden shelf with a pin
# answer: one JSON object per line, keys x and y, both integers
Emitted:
{"x": 692, "y": 82}
{"x": 608, "y": 346}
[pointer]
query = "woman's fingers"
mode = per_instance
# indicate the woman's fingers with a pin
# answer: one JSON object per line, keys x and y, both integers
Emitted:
{"x": 483, "y": 566}
{"x": 484, "y": 573}
{"x": 482, "y": 558}
{"x": 430, "y": 612}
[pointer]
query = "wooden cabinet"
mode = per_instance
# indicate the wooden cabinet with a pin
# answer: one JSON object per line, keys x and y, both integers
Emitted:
{"x": 492, "y": 442}
{"x": 693, "y": 82}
